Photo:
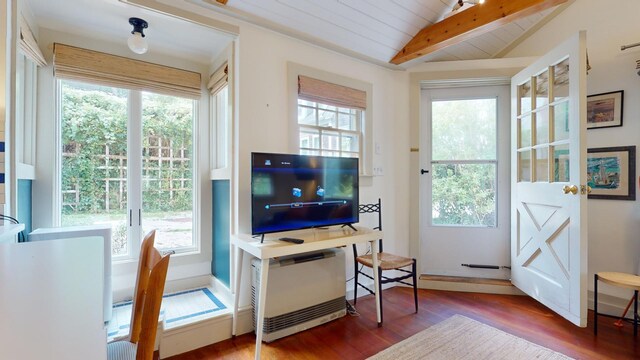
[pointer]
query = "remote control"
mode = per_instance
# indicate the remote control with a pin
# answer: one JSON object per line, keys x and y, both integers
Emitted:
{"x": 292, "y": 240}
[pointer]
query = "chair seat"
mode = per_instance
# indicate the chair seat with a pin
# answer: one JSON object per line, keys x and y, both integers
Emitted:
{"x": 626, "y": 280}
{"x": 121, "y": 350}
{"x": 386, "y": 261}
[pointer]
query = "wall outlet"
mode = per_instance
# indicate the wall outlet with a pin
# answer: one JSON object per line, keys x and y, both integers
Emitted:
{"x": 377, "y": 171}
{"x": 378, "y": 148}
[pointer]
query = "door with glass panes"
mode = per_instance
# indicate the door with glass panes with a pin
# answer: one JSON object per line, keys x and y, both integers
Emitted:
{"x": 548, "y": 180}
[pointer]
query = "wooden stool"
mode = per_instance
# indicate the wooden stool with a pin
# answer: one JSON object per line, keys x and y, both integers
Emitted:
{"x": 625, "y": 280}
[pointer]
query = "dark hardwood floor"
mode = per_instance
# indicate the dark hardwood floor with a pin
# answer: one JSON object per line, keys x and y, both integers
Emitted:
{"x": 359, "y": 337}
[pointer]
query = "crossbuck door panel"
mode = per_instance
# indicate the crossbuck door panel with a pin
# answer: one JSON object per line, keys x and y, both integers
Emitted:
{"x": 548, "y": 233}
{"x": 543, "y": 246}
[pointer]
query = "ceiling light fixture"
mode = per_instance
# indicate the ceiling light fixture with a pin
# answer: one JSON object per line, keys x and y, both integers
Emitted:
{"x": 137, "y": 43}
{"x": 461, "y": 3}
{"x": 458, "y": 6}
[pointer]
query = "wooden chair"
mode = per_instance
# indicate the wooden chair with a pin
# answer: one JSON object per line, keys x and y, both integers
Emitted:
{"x": 386, "y": 262}
{"x": 145, "y": 309}
{"x": 624, "y": 280}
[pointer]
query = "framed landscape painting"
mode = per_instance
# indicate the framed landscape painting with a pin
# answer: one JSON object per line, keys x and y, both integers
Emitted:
{"x": 611, "y": 172}
{"x": 605, "y": 110}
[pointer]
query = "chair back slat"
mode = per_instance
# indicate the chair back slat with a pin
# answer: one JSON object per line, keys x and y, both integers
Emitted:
{"x": 370, "y": 209}
{"x": 152, "y": 304}
{"x": 147, "y": 297}
{"x": 142, "y": 279}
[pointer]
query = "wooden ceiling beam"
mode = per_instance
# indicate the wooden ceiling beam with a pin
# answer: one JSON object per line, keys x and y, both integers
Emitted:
{"x": 469, "y": 23}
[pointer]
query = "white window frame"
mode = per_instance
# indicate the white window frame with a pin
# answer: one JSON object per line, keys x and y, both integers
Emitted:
{"x": 366, "y": 140}
{"x": 220, "y": 130}
{"x": 358, "y": 131}
{"x": 26, "y": 96}
{"x": 134, "y": 140}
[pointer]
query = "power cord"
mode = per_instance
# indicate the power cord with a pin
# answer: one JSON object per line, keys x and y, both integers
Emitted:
{"x": 351, "y": 310}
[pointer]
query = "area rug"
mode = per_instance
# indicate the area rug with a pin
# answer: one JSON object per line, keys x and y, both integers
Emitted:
{"x": 459, "y": 337}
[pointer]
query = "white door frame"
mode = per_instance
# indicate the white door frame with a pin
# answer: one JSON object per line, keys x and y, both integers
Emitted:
{"x": 445, "y": 248}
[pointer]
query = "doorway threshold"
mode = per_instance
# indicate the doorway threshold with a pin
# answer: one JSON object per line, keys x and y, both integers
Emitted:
{"x": 468, "y": 284}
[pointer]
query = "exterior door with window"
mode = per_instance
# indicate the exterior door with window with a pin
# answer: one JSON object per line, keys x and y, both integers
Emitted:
{"x": 548, "y": 180}
{"x": 464, "y": 209}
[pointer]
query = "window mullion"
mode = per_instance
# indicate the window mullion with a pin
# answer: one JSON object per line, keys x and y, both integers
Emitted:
{"x": 134, "y": 172}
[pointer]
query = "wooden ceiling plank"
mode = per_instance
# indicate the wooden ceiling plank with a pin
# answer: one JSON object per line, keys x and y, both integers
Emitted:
{"x": 469, "y": 23}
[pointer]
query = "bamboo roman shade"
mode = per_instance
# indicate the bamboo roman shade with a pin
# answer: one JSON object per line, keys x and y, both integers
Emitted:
{"x": 28, "y": 43}
{"x": 311, "y": 89}
{"x": 105, "y": 69}
{"x": 219, "y": 79}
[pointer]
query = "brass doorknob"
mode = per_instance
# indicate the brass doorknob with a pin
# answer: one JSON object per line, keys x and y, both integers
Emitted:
{"x": 570, "y": 189}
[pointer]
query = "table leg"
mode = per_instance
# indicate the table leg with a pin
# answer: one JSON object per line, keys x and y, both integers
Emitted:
{"x": 236, "y": 300}
{"x": 595, "y": 304}
{"x": 262, "y": 297}
{"x": 635, "y": 313}
{"x": 376, "y": 279}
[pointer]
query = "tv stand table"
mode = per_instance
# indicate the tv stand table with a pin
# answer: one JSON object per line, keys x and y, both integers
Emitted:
{"x": 314, "y": 239}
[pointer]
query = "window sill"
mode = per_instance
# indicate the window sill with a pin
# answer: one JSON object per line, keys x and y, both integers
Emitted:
{"x": 25, "y": 171}
{"x": 181, "y": 266}
{"x": 220, "y": 174}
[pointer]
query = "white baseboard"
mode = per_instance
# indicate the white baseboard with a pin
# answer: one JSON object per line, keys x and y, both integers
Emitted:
{"x": 195, "y": 335}
{"x": 198, "y": 334}
{"x": 469, "y": 287}
{"x": 610, "y": 305}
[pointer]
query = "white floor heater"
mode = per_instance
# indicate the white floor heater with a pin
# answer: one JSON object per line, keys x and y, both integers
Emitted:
{"x": 304, "y": 290}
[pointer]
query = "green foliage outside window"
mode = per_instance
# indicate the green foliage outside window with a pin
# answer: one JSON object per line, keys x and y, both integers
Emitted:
{"x": 464, "y": 194}
{"x": 94, "y": 144}
{"x": 464, "y": 151}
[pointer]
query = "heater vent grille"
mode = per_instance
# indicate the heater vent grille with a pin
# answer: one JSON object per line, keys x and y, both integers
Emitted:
{"x": 297, "y": 317}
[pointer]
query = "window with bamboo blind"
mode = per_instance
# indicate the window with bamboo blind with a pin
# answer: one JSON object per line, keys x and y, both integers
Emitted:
{"x": 333, "y": 115}
{"x": 220, "y": 117}
{"x": 28, "y": 59}
{"x": 73, "y": 63}
{"x": 133, "y": 124}
{"x": 219, "y": 79}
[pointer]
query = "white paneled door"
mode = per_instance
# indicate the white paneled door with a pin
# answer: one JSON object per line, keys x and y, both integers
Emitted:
{"x": 548, "y": 180}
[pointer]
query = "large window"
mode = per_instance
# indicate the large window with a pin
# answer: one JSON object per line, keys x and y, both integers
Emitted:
{"x": 329, "y": 130}
{"x": 127, "y": 161}
{"x": 464, "y": 162}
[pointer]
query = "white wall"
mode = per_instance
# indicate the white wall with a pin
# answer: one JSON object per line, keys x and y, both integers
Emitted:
{"x": 613, "y": 226}
{"x": 263, "y": 122}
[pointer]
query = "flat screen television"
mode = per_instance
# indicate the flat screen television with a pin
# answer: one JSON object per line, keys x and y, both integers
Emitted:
{"x": 290, "y": 192}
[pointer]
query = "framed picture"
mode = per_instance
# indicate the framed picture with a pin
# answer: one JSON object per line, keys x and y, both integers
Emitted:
{"x": 611, "y": 172}
{"x": 605, "y": 110}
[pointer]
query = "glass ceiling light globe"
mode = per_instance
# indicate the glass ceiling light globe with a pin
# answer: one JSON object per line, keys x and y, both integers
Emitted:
{"x": 137, "y": 43}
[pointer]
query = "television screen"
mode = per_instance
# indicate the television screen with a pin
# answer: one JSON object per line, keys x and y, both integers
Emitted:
{"x": 299, "y": 191}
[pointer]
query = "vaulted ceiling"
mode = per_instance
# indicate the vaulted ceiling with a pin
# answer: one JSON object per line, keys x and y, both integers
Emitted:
{"x": 372, "y": 30}
{"x": 376, "y": 30}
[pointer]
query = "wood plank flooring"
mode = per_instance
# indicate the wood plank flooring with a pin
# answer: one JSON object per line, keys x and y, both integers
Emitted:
{"x": 359, "y": 337}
